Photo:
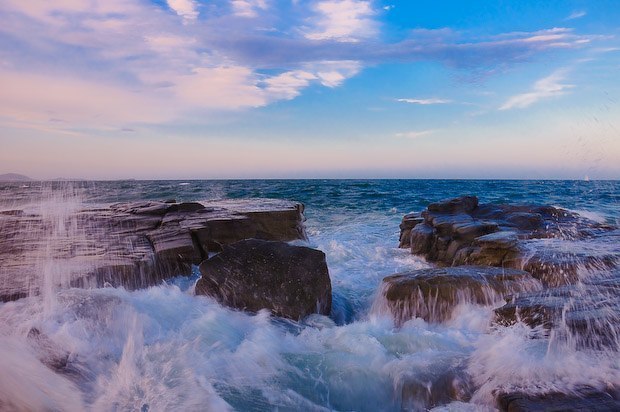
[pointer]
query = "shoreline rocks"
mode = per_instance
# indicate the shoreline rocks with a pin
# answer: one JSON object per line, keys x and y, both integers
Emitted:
{"x": 461, "y": 231}
{"x": 291, "y": 281}
{"x": 134, "y": 244}
{"x": 432, "y": 294}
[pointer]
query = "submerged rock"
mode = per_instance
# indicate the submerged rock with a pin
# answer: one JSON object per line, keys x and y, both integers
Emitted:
{"x": 462, "y": 232}
{"x": 432, "y": 294}
{"x": 434, "y": 388}
{"x": 291, "y": 281}
{"x": 134, "y": 244}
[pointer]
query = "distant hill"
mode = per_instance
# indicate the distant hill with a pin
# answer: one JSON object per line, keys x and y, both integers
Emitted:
{"x": 14, "y": 177}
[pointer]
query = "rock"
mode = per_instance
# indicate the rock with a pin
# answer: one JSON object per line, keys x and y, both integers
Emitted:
{"x": 432, "y": 294}
{"x": 587, "y": 315}
{"x": 460, "y": 231}
{"x": 464, "y": 204}
{"x": 584, "y": 400}
{"x": 421, "y": 239}
{"x": 425, "y": 391}
{"x": 409, "y": 222}
{"x": 135, "y": 244}
{"x": 291, "y": 281}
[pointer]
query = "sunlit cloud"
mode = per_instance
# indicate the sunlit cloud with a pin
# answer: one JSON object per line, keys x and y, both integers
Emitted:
{"x": 343, "y": 20}
{"x": 547, "y": 87}
{"x": 159, "y": 63}
{"x": 184, "y": 8}
{"x": 425, "y": 101}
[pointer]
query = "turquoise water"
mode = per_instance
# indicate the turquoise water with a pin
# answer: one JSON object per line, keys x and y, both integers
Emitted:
{"x": 163, "y": 348}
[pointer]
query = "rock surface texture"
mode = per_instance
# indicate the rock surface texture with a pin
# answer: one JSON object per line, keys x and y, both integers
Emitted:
{"x": 432, "y": 294}
{"x": 130, "y": 244}
{"x": 291, "y": 281}
{"x": 461, "y": 231}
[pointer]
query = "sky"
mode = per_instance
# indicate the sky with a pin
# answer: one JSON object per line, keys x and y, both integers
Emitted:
{"x": 197, "y": 89}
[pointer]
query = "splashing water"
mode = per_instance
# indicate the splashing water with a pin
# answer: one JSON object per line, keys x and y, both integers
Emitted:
{"x": 163, "y": 348}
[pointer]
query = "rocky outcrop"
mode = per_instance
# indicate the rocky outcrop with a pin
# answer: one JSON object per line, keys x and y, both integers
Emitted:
{"x": 133, "y": 244}
{"x": 461, "y": 231}
{"x": 432, "y": 294}
{"x": 291, "y": 281}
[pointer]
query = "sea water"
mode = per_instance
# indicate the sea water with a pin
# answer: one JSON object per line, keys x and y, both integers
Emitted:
{"x": 163, "y": 348}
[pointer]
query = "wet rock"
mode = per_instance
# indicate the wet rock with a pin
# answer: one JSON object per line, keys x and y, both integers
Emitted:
{"x": 432, "y": 294}
{"x": 586, "y": 315}
{"x": 291, "y": 281}
{"x": 584, "y": 400}
{"x": 431, "y": 389}
{"x": 409, "y": 222}
{"x": 462, "y": 232}
{"x": 134, "y": 244}
{"x": 464, "y": 204}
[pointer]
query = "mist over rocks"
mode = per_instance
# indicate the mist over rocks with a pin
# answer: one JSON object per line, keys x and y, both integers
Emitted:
{"x": 135, "y": 244}
{"x": 291, "y": 281}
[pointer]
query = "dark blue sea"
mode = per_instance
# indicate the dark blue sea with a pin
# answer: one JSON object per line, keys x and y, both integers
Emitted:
{"x": 163, "y": 348}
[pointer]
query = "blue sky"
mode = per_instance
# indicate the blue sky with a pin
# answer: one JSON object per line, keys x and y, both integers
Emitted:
{"x": 264, "y": 88}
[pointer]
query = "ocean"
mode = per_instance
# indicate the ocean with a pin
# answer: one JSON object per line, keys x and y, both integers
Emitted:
{"x": 162, "y": 348}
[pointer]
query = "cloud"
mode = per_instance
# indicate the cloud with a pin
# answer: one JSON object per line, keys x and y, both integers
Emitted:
{"x": 544, "y": 88}
{"x": 184, "y": 8}
{"x": 150, "y": 65}
{"x": 343, "y": 20}
{"x": 425, "y": 101}
{"x": 248, "y": 8}
{"x": 415, "y": 134}
{"x": 577, "y": 14}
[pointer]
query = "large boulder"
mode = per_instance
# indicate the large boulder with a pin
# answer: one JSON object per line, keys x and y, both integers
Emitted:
{"x": 461, "y": 231}
{"x": 432, "y": 294}
{"x": 291, "y": 281}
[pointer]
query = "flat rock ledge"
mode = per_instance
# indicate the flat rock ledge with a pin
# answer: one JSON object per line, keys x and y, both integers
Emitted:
{"x": 290, "y": 281}
{"x": 134, "y": 244}
{"x": 461, "y": 231}
{"x": 433, "y": 294}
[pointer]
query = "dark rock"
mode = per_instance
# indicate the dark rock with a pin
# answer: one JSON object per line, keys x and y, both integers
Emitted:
{"x": 425, "y": 391}
{"x": 432, "y": 294}
{"x": 421, "y": 239}
{"x": 586, "y": 400}
{"x": 465, "y": 204}
{"x": 409, "y": 222}
{"x": 291, "y": 281}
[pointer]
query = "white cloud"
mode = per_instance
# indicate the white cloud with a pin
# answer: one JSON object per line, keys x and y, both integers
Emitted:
{"x": 577, "y": 14}
{"x": 184, "y": 8}
{"x": 334, "y": 73}
{"x": 343, "y": 20}
{"x": 544, "y": 88}
{"x": 415, "y": 134}
{"x": 287, "y": 85}
{"x": 425, "y": 101}
{"x": 248, "y": 8}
